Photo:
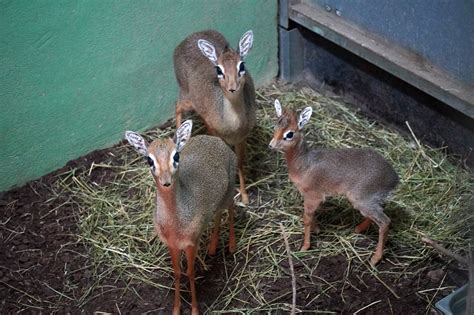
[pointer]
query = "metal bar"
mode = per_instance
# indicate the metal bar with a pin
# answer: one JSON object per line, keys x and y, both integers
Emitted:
{"x": 283, "y": 13}
{"x": 291, "y": 54}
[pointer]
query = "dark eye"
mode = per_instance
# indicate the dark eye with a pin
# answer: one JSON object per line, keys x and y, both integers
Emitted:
{"x": 241, "y": 67}
{"x": 176, "y": 160}
{"x": 289, "y": 135}
{"x": 149, "y": 160}
{"x": 220, "y": 74}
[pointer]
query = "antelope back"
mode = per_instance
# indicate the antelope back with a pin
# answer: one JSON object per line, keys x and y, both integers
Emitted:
{"x": 206, "y": 178}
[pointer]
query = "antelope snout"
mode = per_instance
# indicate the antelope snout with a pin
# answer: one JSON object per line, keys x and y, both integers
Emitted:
{"x": 232, "y": 85}
{"x": 271, "y": 145}
{"x": 166, "y": 180}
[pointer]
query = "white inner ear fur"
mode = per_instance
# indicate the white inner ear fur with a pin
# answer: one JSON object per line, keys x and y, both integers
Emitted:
{"x": 304, "y": 117}
{"x": 278, "y": 108}
{"x": 245, "y": 44}
{"x": 136, "y": 141}
{"x": 183, "y": 134}
{"x": 208, "y": 50}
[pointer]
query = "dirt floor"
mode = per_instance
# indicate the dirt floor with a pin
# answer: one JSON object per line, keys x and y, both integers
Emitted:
{"x": 46, "y": 267}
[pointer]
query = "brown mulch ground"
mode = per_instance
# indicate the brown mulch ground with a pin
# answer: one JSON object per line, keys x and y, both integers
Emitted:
{"x": 45, "y": 268}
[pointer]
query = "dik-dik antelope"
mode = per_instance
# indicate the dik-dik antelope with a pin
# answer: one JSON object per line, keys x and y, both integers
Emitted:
{"x": 214, "y": 82}
{"x": 362, "y": 175}
{"x": 194, "y": 180}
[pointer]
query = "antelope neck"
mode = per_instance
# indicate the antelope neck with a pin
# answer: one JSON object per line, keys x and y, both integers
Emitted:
{"x": 168, "y": 196}
{"x": 295, "y": 155}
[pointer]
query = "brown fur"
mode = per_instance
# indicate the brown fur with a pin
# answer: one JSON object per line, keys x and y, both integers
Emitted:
{"x": 362, "y": 175}
{"x": 230, "y": 116}
{"x": 199, "y": 189}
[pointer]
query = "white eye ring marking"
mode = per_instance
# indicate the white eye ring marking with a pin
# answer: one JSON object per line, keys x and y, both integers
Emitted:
{"x": 221, "y": 76}
{"x": 288, "y": 135}
{"x": 154, "y": 166}
{"x": 241, "y": 73}
{"x": 173, "y": 163}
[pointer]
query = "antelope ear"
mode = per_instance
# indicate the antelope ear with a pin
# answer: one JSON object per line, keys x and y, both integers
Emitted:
{"x": 278, "y": 108}
{"x": 183, "y": 134}
{"x": 137, "y": 142}
{"x": 208, "y": 50}
{"x": 304, "y": 117}
{"x": 245, "y": 44}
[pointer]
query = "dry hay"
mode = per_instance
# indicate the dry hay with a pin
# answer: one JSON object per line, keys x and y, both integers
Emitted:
{"x": 115, "y": 213}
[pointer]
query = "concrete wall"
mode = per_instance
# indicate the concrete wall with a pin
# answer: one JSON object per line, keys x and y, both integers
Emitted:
{"x": 75, "y": 74}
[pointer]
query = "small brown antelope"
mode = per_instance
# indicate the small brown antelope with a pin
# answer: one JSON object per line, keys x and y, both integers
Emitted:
{"x": 191, "y": 196}
{"x": 362, "y": 175}
{"x": 214, "y": 82}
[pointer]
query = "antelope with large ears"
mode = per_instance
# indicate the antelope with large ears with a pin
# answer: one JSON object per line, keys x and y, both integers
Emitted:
{"x": 194, "y": 180}
{"x": 214, "y": 82}
{"x": 362, "y": 175}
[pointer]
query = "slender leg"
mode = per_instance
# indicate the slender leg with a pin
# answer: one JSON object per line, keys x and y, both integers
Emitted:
{"x": 315, "y": 227}
{"x": 181, "y": 107}
{"x": 175, "y": 254}
{"x": 375, "y": 213}
{"x": 383, "y": 223}
{"x": 191, "y": 256}
{"x": 231, "y": 228}
{"x": 363, "y": 226}
{"x": 383, "y": 234}
{"x": 310, "y": 206}
{"x": 213, "y": 242}
{"x": 240, "y": 150}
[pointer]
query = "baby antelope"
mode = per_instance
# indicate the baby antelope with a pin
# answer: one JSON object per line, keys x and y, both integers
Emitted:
{"x": 194, "y": 180}
{"x": 215, "y": 83}
{"x": 362, "y": 175}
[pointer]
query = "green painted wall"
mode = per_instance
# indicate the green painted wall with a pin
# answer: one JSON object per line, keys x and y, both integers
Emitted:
{"x": 75, "y": 74}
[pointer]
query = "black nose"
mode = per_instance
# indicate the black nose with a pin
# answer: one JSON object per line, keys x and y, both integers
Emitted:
{"x": 166, "y": 184}
{"x": 231, "y": 90}
{"x": 270, "y": 146}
